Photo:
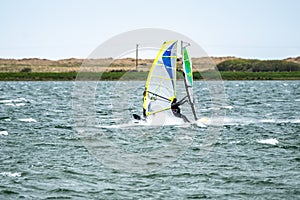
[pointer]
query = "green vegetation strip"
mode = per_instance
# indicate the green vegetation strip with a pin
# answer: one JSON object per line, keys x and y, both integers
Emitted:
{"x": 37, "y": 76}
{"x": 251, "y": 65}
{"x": 71, "y": 76}
{"x": 261, "y": 75}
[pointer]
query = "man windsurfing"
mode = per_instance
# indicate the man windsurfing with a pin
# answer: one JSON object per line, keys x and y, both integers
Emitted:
{"x": 176, "y": 110}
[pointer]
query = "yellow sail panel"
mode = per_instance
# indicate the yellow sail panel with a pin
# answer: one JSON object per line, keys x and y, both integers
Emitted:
{"x": 160, "y": 88}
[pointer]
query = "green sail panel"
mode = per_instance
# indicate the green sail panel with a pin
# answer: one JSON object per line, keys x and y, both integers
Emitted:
{"x": 188, "y": 71}
{"x": 188, "y": 79}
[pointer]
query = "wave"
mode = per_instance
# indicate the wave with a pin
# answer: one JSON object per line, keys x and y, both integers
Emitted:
{"x": 13, "y": 100}
{"x": 27, "y": 120}
{"x": 235, "y": 142}
{"x": 5, "y": 118}
{"x": 15, "y": 105}
{"x": 267, "y": 120}
{"x": 10, "y": 174}
{"x": 279, "y": 121}
{"x": 219, "y": 121}
{"x": 295, "y": 121}
{"x": 3, "y": 133}
{"x": 272, "y": 141}
{"x": 228, "y": 107}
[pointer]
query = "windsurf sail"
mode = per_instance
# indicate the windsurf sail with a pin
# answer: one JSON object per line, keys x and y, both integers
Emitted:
{"x": 160, "y": 88}
{"x": 188, "y": 77}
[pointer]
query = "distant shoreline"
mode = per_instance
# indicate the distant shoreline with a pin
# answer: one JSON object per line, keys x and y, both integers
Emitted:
{"x": 231, "y": 68}
{"x": 127, "y": 76}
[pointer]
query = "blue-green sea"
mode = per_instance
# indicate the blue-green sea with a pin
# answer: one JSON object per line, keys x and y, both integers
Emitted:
{"x": 249, "y": 148}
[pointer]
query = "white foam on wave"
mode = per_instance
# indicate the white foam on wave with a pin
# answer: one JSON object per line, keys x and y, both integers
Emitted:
{"x": 10, "y": 174}
{"x": 279, "y": 121}
{"x": 27, "y": 120}
{"x": 234, "y": 142}
{"x": 9, "y": 104}
{"x": 6, "y": 101}
{"x": 19, "y": 104}
{"x": 296, "y": 121}
{"x": 267, "y": 120}
{"x": 202, "y": 122}
{"x": 164, "y": 121}
{"x": 117, "y": 126}
{"x": 3, "y": 133}
{"x": 185, "y": 137}
{"x": 15, "y": 105}
{"x": 13, "y": 100}
{"x": 228, "y": 107}
{"x": 220, "y": 121}
{"x": 214, "y": 108}
{"x": 246, "y": 121}
{"x": 272, "y": 141}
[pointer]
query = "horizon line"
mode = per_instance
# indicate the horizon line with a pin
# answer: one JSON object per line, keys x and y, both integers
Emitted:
{"x": 143, "y": 58}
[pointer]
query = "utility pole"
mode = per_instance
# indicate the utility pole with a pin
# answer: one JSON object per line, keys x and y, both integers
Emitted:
{"x": 136, "y": 56}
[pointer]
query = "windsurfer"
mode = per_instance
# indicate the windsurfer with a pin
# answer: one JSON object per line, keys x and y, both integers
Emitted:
{"x": 176, "y": 110}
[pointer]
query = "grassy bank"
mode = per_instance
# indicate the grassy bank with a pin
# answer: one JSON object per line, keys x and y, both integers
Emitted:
{"x": 71, "y": 76}
{"x": 254, "y": 65}
{"x": 261, "y": 75}
{"x": 37, "y": 76}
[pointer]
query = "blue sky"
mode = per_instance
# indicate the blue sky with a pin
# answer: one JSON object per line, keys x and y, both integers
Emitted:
{"x": 56, "y": 29}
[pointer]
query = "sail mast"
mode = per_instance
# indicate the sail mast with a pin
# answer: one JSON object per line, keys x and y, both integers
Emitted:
{"x": 188, "y": 76}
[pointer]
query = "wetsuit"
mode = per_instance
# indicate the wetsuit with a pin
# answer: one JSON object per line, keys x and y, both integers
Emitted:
{"x": 176, "y": 110}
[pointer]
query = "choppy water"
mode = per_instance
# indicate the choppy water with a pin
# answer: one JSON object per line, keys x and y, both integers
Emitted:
{"x": 256, "y": 154}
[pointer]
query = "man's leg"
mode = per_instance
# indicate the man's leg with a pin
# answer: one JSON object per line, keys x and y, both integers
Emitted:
{"x": 185, "y": 119}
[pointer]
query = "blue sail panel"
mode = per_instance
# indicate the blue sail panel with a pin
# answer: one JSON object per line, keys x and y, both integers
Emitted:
{"x": 167, "y": 60}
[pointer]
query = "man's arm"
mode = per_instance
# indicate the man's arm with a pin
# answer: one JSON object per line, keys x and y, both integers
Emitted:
{"x": 182, "y": 101}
